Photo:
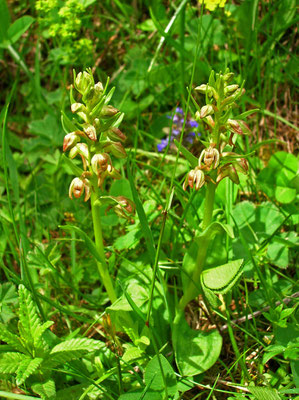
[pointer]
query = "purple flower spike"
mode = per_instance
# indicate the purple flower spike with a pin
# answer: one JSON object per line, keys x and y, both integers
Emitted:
{"x": 191, "y": 133}
{"x": 189, "y": 139}
{"x": 179, "y": 110}
{"x": 161, "y": 146}
{"x": 175, "y": 132}
{"x": 193, "y": 123}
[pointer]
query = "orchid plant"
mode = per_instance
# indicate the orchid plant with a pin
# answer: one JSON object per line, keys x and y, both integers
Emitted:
{"x": 96, "y": 138}
{"x": 217, "y": 161}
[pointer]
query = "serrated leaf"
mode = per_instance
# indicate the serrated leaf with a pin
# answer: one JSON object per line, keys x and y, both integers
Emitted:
{"x": 221, "y": 279}
{"x": 72, "y": 349}
{"x": 132, "y": 353}
{"x": 11, "y": 339}
{"x": 28, "y": 316}
{"x": 9, "y": 362}
{"x": 263, "y": 393}
{"x": 46, "y": 390}
{"x": 26, "y": 368}
{"x": 38, "y": 342}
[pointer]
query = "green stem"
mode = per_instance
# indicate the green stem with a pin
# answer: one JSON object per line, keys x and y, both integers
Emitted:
{"x": 102, "y": 266}
{"x": 209, "y": 205}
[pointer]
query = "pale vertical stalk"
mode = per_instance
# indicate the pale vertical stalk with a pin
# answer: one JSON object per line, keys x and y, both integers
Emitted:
{"x": 102, "y": 266}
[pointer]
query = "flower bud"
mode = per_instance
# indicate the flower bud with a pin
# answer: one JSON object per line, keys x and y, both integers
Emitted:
{"x": 124, "y": 207}
{"x": 83, "y": 82}
{"x": 114, "y": 174}
{"x": 206, "y": 89}
{"x": 230, "y": 99}
{"x": 209, "y": 120}
{"x": 101, "y": 163}
{"x": 77, "y": 107}
{"x": 241, "y": 165}
{"x": 199, "y": 179}
{"x": 116, "y": 149}
{"x": 197, "y": 116}
{"x": 90, "y": 131}
{"x": 108, "y": 111}
{"x": 228, "y": 77}
{"x": 196, "y": 176}
{"x": 206, "y": 110}
{"x": 77, "y": 186}
{"x": 230, "y": 89}
{"x": 202, "y": 88}
{"x": 233, "y": 125}
{"x": 98, "y": 87}
{"x": 115, "y": 134}
{"x": 82, "y": 150}
{"x": 228, "y": 170}
{"x": 70, "y": 140}
{"x": 211, "y": 157}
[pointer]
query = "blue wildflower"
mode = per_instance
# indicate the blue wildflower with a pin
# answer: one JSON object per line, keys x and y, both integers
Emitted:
{"x": 177, "y": 125}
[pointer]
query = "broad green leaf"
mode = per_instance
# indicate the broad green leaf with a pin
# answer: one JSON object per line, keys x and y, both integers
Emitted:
{"x": 45, "y": 389}
{"x": 195, "y": 351}
{"x": 131, "y": 354}
{"x": 200, "y": 244}
{"x": 189, "y": 156}
{"x": 9, "y": 362}
{"x": 20, "y": 26}
{"x": 4, "y": 22}
{"x": 285, "y": 195}
{"x": 221, "y": 279}
{"x": 26, "y": 368}
{"x": 264, "y": 393}
{"x": 154, "y": 379}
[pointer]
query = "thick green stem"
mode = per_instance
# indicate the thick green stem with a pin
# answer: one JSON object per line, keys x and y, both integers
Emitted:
{"x": 209, "y": 205}
{"x": 203, "y": 244}
{"x": 102, "y": 266}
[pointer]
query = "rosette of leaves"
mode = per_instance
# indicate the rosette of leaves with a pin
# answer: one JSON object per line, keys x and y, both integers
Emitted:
{"x": 34, "y": 351}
